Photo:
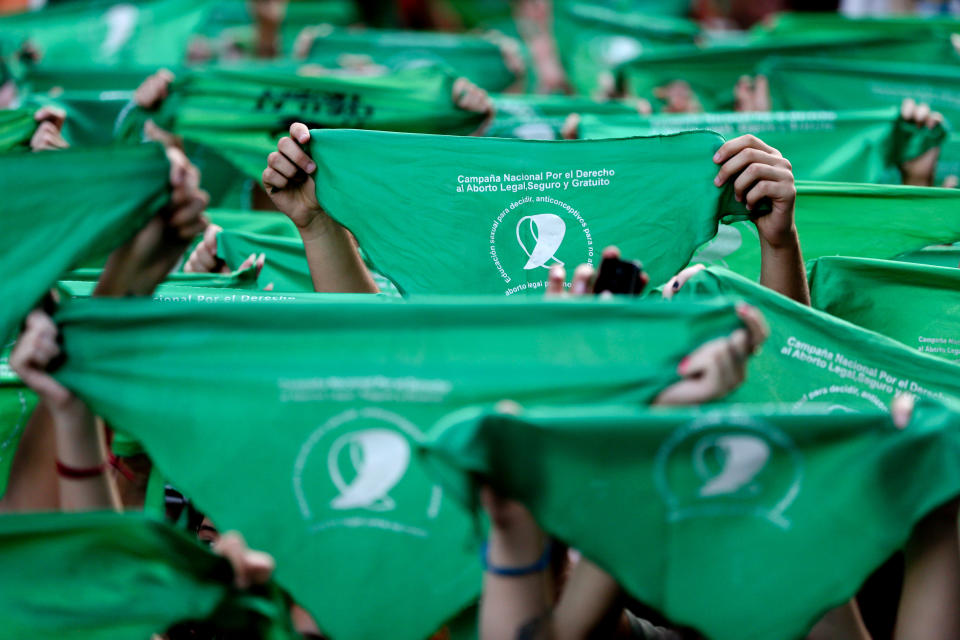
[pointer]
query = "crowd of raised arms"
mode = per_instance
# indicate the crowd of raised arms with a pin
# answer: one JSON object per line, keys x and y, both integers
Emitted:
{"x": 497, "y": 319}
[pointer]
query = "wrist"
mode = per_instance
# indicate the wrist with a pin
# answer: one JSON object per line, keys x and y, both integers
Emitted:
{"x": 314, "y": 224}
{"x": 515, "y": 548}
{"x": 787, "y": 240}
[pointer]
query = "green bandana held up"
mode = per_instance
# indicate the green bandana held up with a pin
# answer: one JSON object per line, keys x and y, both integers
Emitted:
{"x": 862, "y": 220}
{"x": 712, "y": 71}
{"x": 541, "y": 117}
{"x": 242, "y": 114}
{"x": 834, "y": 146}
{"x": 63, "y": 199}
{"x": 469, "y": 55}
{"x": 16, "y": 128}
{"x": 807, "y": 84}
{"x": 914, "y": 304}
{"x": 101, "y": 576}
{"x": 439, "y": 214}
{"x": 718, "y": 499}
{"x": 596, "y": 38}
{"x": 153, "y": 33}
{"x": 812, "y": 356}
{"x": 354, "y": 386}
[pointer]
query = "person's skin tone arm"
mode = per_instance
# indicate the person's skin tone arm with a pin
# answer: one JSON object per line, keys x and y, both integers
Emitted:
{"x": 759, "y": 171}
{"x": 139, "y": 265}
{"x": 510, "y": 604}
{"x": 79, "y": 439}
{"x": 333, "y": 258}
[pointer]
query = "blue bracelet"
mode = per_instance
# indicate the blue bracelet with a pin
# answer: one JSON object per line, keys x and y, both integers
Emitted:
{"x": 516, "y": 572}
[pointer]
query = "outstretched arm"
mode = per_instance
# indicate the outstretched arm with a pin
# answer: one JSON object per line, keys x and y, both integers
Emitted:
{"x": 332, "y": 255}
{"x": 81, "y": 462}
{"x": 759, "y": 171}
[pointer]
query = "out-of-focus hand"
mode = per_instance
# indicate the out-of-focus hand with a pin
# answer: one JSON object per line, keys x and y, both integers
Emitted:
{"x": 250, "y": 567}
{"x": 921, "y": 170}
{"x": 154, "y": 90}
{"x": 675, "y": 283}
{"x": 678, "y": 97}
{"x": 204, "y": 258}
{"x": 469, "y": 97}
{"x": 719, "y": 366}
{"x": 901, "y": 409}
{"x": 47, "y": 135}
{"x": 34, "y": 351}
{"x": 752, "y": 94}
{"x": 760, "y": 171}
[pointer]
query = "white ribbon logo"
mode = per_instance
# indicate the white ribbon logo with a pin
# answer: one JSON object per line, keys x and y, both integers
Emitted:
{"x": 742, "y": 458}
{"x": 380, "y": 458}
{"x": 547, "y": 230}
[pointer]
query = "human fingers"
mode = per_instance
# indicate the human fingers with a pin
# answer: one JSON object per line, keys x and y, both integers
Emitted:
{"x": 732, "y": 147}
{"x": 300, "y": 132}
{"x": 737, "y": 163}
{"x": 294, "y": 153}
{"x": 272, "y": 179}
{"x": 282, "y": 165}
{"x": 907, "y": 108}
{"x": 54, "y": 115}
{"x": 901, "y": 409}
{"x": 582, "y": 280}
{"x": 935, "y": 118}
{"x": 755, "y": 172}
{"x": 676, "y": 282}
{"x": 757, "y": 329}
{"x": 780, "y": 190}
{"x": 571, "y": 127}
{"x": 556, "y": 280}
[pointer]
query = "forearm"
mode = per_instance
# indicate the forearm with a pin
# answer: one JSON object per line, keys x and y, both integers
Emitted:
{"x": 590, "y": 605}
{"x": 138, "y": 266}
{"x": 333, "y": 258}
{"x": 782, "y": 268}
{"x": 510, "y": 604}
{"x": 80, "y": 445}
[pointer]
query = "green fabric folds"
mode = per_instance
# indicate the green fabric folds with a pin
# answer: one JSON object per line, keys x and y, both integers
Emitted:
{"x": 64, "y": 200}
{"x": 835, "y": 146}
{"x": 153, "y": 32}
{"x": 536, "y": 117}
{"x": 241, "y": 114}
{"x": 936, "y": 256}
{"x": 102, "y": 576}
{"x": 868, "y": 221}
{"x": 712, "y": 71}
{"x": 439, "y": 214}
{"x": 812, "y": 356}
{"x": 914, "y": 304}
{"x": 719, "y": 517}
{"x": 318, "y": 388}
{"x": 16, "y": 129}
{"x": 809, "y": 84}
{"x": 469, "y": 55}
{"x": 594, "y": 38}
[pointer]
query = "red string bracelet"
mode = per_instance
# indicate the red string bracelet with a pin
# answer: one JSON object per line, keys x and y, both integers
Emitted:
{"x": 76, "y": 473}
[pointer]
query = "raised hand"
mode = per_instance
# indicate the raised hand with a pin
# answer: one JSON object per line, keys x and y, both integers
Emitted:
{"x": 154, "y": 90}
{"x": 469, "y": 97}
{"x": 719, "y": 366}
{"x": 50, "y": 123}
{"x": 921, "y": 170}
